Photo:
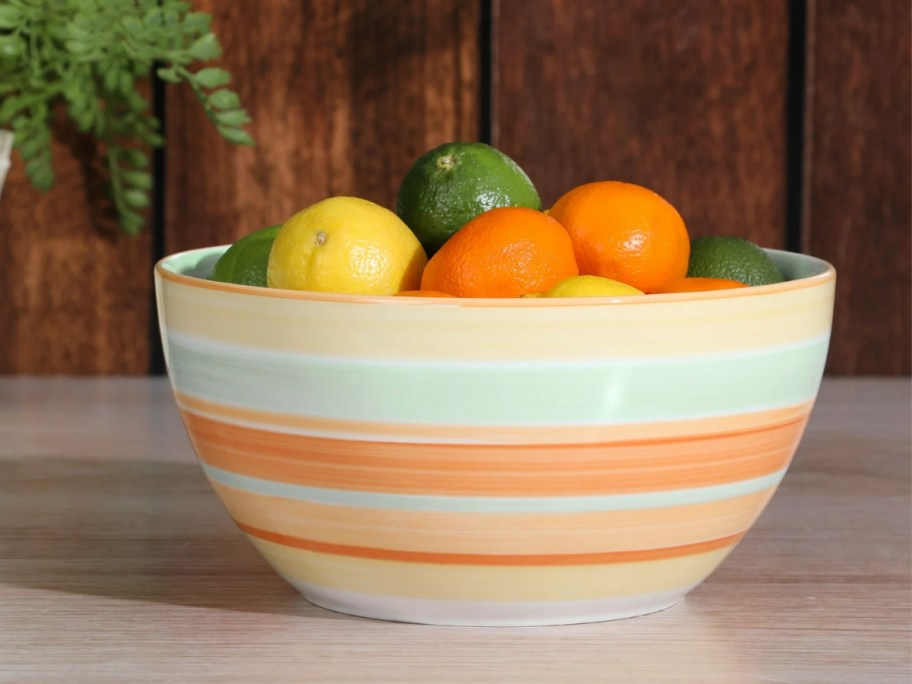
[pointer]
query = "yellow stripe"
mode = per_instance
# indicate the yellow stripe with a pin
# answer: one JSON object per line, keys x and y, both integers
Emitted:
{"x": 488, "y": 583}
{"x": 711, "y": 323}
{"x": 496, "y": 533}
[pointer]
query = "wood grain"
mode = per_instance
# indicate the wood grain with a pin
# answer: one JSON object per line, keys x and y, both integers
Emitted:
{"x": 76, "y": 291}
{"x": 118, "y": 563}
{"x": 859, "y": 177}
{"x": 686, "y": 98}
{"x": 344, "y": 97}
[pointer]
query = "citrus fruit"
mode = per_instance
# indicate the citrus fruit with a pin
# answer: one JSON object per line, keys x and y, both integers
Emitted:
{"x": 733, "y": 258}
{"x": 504, "y": 252}
{"x": 694, "y": 284}
{"x": 245, "y": 261}
{"x": 624, "y": 232}
{"x": 346, "y": 245}
{"x": 591, "y": 286}
{"x": 451, "y": 184}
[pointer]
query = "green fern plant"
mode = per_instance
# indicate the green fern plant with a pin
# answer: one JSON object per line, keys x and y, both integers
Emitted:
{"x": 88, "y": 57}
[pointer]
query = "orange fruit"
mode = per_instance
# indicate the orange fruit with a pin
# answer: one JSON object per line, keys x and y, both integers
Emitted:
{"x": 505, "y": 252}
{"x": 422, "y": 293}
{"x": 625, "y": 232}
{"x": 694, "y": 284}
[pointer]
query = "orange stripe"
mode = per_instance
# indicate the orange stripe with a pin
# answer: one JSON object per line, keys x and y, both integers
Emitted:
{"x": 493, "y": 470}
{"x": 491, "y": 559}
{"x": 511, "y": 434}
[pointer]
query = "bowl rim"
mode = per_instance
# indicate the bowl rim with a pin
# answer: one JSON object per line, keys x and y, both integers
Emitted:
{"x": 827, "y": 273}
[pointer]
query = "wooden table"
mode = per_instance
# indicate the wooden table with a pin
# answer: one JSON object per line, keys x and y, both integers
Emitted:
{"x": 118, "y": 564}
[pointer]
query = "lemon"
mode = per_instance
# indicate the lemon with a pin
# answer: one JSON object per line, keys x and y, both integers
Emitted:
{"x": 346, "y": 245}
{"x": 453, "y": 183}
{"x": 591, "y": 286}
{"x": 246, "y": 260}
{"x": 731, "y": 258}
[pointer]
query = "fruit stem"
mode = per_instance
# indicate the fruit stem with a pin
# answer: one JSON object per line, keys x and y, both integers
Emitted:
{"x": 446, "y": 162}
{"x": 320, "y": 238}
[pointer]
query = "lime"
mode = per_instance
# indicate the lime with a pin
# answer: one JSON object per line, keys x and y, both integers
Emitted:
{"x": 346, "y": 245}
{"x": 452, "y": 184}
{"x": 591, "y": 286}
{"x": 245, "y": 261}
{"x": 732, "y": 258}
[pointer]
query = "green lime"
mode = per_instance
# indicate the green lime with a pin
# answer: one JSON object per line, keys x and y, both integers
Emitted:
{"x": 732, "y": 258}
{"x": 452, "y": 184}
{"x": 245, "y": 261}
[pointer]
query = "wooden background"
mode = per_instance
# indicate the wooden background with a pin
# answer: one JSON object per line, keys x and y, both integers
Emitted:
{"x": 784, "y": 122}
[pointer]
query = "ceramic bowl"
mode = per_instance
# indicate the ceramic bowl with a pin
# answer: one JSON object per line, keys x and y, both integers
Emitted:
{"x": 494, "y": 461}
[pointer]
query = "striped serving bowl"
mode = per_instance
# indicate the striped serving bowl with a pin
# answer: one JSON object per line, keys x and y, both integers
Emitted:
{"x": 494, "y": 461}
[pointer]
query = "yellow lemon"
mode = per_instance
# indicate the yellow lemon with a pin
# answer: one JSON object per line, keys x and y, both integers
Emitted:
{"x": 346, "y": 245}
{"x": 591, "y": 286}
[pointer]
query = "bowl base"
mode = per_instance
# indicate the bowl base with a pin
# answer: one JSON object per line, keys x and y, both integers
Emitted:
{"x": 488, "y": 613}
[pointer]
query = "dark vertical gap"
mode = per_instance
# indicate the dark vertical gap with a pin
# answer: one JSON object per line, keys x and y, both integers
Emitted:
{"x": 794, "y": 124}
{"x": 157, "y": 220}
{"x": 486, "y": 71}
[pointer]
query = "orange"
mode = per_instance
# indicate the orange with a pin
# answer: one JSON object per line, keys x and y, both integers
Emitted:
{"x": 625, "y": 232}
{"x": 422, "y": 293}
{"x": 694, "y": 284}
{"x": 505, "y": 252}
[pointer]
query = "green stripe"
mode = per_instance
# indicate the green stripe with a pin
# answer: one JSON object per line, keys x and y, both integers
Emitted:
{"x": 493, "y": 504}
{"x": 593, "y": 393}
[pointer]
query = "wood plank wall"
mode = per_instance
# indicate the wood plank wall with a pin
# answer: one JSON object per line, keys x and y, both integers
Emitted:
{"x": 858, "y": 179}
{"x": 784, "y": 122}
{"x": 75, "y": 293}
{"x": 343, "y": 95}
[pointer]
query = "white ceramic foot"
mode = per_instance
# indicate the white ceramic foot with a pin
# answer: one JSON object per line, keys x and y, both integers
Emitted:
{"x": 488, "y": 614}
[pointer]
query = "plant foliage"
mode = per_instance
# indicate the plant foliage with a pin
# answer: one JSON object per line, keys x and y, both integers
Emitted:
{"x": 89, "y": 55}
